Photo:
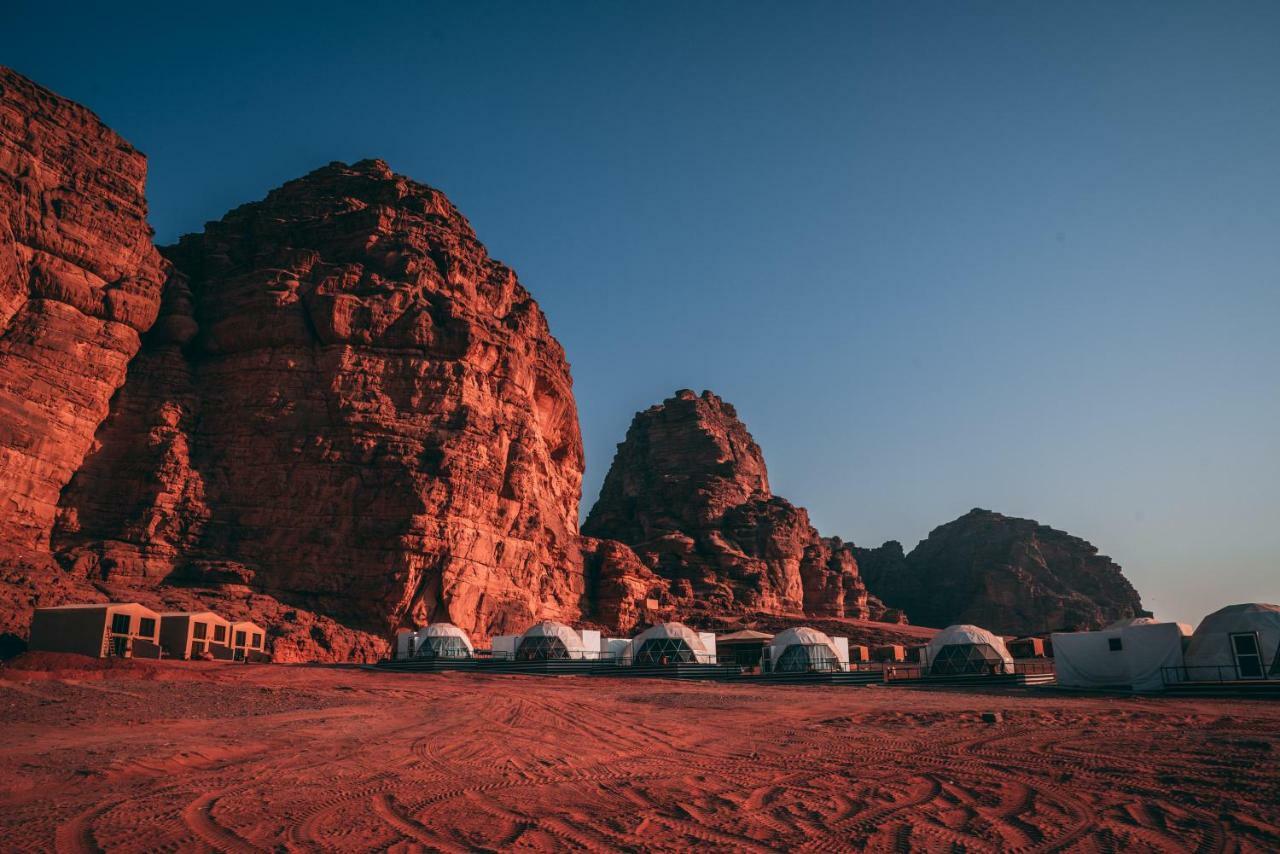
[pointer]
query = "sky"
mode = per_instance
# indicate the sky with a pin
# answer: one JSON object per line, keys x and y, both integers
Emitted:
{"x": 1020, "y": 256}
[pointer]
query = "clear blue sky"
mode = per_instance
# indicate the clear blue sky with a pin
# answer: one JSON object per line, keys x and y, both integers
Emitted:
{"x": 1023, "y": 256}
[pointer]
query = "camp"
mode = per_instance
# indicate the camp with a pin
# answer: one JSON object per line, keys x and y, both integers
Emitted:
{"x": 1129, "y": 654}
{"x": 966, "y": 650}
{"x": 442, "y": 640}
{"x": 1238, "y": 642}
{"x": 111, "y": 629}
{"x": 671, "y": 643}
{"x": 547, "y": 641}
{"x": 806, "y": 650}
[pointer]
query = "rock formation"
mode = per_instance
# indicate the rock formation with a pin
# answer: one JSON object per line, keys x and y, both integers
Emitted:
{"x": 345, "y": 405}
{"x": 1013, "y": 576}
{"x": 689, "y": 492}
{"x": 79, "y": 283}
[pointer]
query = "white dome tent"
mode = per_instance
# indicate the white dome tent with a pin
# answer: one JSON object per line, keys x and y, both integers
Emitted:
{"x": 805, "y": 650}
{"x": 442, "y": 640}
{"x": 1236, "y": 642}
{"x": 549, "y": 641}
{"x": 669, "y": 643}
{"x": 966, "y": 650}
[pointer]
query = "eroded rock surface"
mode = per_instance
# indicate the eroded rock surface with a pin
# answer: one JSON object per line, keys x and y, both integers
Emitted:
{"x": 1013, "y": 576}
{"x": 345, "y": 405}
{"x": 688, "y": 491}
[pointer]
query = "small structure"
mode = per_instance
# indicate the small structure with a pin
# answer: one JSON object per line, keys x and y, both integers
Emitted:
{"x": 195, "y": 634}
{"x": 888, "y": 653}
{"x": 806, "y": 650}
{"x": 442, "y": 640}
{"x": 859, "y": 654}
{"x": 101, "y": 630}
{"x": 744, "y": 648}
{"x": 1236, "y": 643}
{"x": 1129, "y": 655}
{"x": 544, "y": 641}
{"x": 1026, "y": 648}
{"x": 248, "y": 642}
{"x": 966, "y": 650}
{"x": 671, "y": 643}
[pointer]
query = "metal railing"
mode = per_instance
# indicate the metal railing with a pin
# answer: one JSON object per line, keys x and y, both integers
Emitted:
{"x": 1221, "y": 673}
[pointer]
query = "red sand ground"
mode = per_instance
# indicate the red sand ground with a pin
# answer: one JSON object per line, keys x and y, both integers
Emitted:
{"x": 235, "y": 758}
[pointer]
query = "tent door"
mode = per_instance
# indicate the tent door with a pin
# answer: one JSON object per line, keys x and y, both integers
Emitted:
{"x": 1248, "y": 656}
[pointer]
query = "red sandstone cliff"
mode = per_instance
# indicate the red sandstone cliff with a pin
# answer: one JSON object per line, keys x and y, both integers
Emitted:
{"x": 689, "y": 492}
{"x": 347, "y": 406}
{"x": 1013, "y": 576}
{"x": 79, "y": 282}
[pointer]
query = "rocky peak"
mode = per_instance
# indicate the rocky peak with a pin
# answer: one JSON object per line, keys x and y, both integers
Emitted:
{"x": 1010, "y": 575}
{"x": 689, "y": 492}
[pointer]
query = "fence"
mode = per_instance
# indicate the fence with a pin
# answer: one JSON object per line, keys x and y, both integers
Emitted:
{"x": 1214, "y": 673}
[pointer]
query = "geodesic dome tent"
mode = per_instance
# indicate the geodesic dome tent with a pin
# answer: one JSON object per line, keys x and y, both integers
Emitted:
{"x": 667, "y": 643}
{"x": 964, "y": 649}
{"x": 549, "y": 641}
{"x": 442, "y": 640}
{"x": 804, "y": 650}
{"x": 1236, "y": 642}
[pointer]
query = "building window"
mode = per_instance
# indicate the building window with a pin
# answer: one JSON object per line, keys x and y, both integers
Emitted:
{"x": 1115, "y": 644}
{"x": 146, "y": 627}
{"x": 257, "y": 640}
{"x": 120, "y": 624}
{"x": 220, "y": 634}
{"x": 239, "y": 638}
{"x": 200, "y": 631}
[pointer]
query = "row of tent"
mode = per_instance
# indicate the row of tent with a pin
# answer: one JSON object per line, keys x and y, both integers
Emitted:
{"x": 1239, "y": 643}
{"x": 957, "y": 650}
{"x": 131, "y": 630}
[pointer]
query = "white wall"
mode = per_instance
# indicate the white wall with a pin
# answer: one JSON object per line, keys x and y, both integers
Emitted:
{"x": 709, "y": 641}
{"x": 842, "y": 651}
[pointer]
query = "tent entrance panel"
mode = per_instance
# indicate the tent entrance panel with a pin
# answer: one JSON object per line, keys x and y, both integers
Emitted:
{"x": 962, "y": 659}
{"x": 119, "y": 647}
{"x": 805, "y": 658}
{"x": 539, "y": 649}
{"x": 1244, "y": 646}
{"x": 452, "y": 647}
{"x": 665, "y": 651}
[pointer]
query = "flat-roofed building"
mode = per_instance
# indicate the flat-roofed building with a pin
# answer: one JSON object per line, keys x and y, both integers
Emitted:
{"x": 100, "y": 630}
{"x": 248, "y": 642}
{"x": 195, "y": 634}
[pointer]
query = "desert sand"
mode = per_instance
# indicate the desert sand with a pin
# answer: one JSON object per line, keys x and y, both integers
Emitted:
{"x": 235, "y": 758}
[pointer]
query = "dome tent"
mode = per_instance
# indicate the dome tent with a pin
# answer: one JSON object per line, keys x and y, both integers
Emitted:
{"x": 442, "y": 640}
{"x": 549, "y": 640}
{"x": 1236, "y": 642}
{"x": 964, "y": 649}
{"x": 666, "y": 643}
{"x": 804, "y": 650}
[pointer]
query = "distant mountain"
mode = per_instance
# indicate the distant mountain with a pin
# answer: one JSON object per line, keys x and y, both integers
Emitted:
{"x": 1013, "y": 576}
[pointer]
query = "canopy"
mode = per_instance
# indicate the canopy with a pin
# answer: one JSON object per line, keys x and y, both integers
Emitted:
{"x": 1213, "y": 645}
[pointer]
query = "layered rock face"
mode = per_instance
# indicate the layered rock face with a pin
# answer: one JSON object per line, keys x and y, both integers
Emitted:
{"x": 689, "y": 492}
{"x": 1013, "y": 576}
{"x": 79, "y": 282}
{"x": 346, "y": 406}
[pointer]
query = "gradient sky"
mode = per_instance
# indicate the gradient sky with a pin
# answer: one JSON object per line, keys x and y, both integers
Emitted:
{"x": 1022, "y": 256}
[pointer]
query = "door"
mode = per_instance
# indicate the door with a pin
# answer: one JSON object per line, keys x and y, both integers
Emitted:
{"x": 1248, "y": 656}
